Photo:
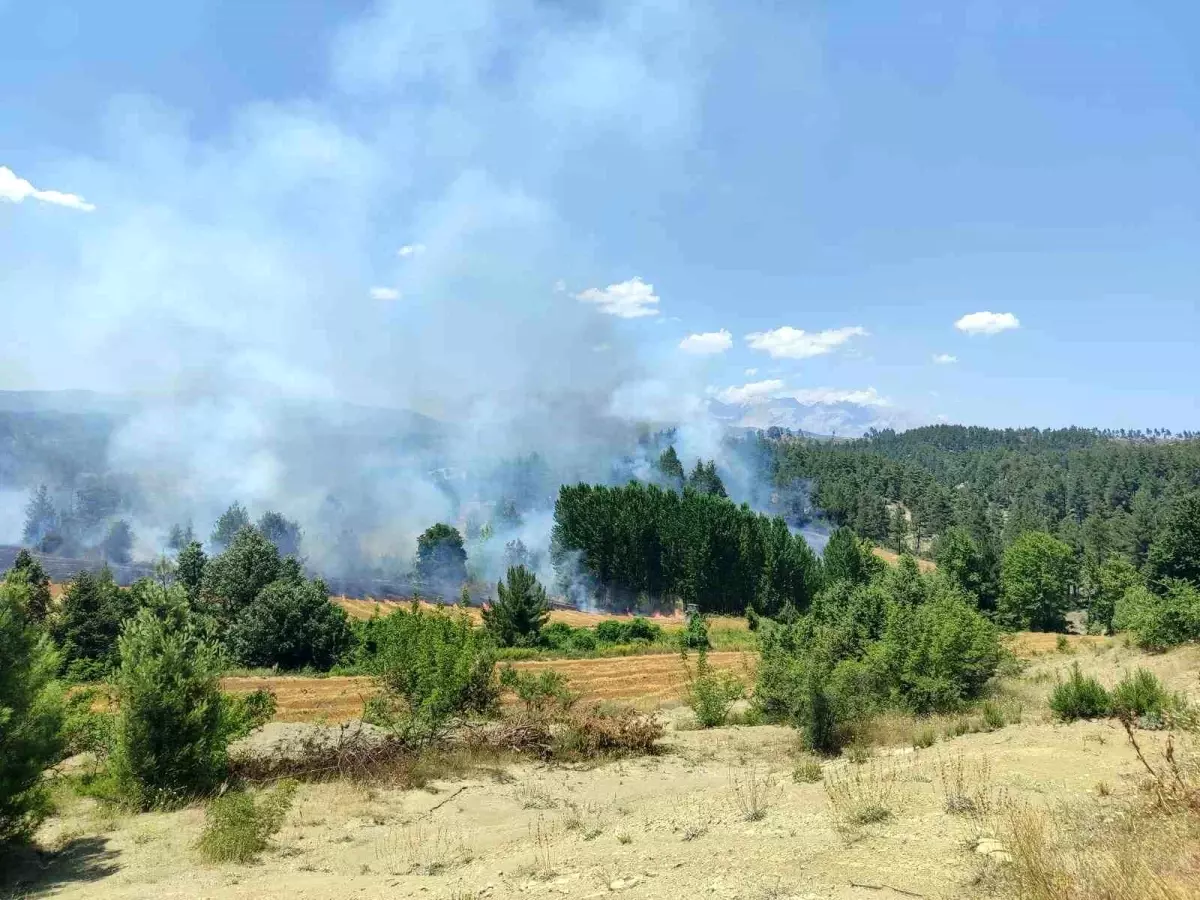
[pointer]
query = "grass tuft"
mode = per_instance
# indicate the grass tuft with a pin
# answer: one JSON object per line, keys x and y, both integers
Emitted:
{"x": 238, "y": 828}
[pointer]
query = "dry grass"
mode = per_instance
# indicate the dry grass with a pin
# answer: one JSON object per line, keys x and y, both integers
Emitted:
{"x": 1149, "y": 849}
{"x": 419, "y": 848}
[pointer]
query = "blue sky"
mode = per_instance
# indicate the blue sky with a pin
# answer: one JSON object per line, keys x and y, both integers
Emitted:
{"x": 866, "y": 173}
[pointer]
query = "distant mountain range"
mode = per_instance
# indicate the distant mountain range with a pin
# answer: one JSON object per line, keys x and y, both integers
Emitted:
{"x": 815, "y": 420}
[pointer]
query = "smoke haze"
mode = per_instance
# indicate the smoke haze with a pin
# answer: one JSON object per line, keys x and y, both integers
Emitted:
{"x": 313, "y": 308}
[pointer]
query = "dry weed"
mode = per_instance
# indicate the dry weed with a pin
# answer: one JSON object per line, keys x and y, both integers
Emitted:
{"x": 966, "y": 785}
{"x": 754, "y": 789}
{"x": 423, "y": 849}
{"x": 863, "y": 795}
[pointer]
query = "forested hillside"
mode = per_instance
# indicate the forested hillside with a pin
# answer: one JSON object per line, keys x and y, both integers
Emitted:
{"x": 1093, "y": 489}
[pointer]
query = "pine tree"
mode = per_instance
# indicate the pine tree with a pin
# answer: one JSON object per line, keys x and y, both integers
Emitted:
{"x": 189, "y": 569}
{"x": 671, "y": 468}
{"x": 519, "y": 611}
{"x": 30, "y": 714}
{"x": 88, "y": 622}
{"x": 41, "y": 522}
{"x": 172, "y": 735}
{"x": 28, "y": 571}
{"x": 231, "y": 522}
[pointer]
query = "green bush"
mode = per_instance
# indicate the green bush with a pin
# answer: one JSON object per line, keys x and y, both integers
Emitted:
{"x": 1160, "y": 621}
{"x": 30, "y": 715}
{"x": 84, "y": 729}
{"x": 1141, "y": 696}
{"x": 1079, "y": 697}
{"x": 583, "y": 640}
{"x": 993, "y": 715}
{"x": 694, "y": 635}
{"x": 711, "y": 692}
{"x": 433, "y": 667}
{"x": 243, "y": 713}
{"x": 172, "y": 729}
{"x": 237, "y": 827}
{"x": 542, "y": 693}
{"x": 293, "y": 625}
{"x": 818, "y": 721}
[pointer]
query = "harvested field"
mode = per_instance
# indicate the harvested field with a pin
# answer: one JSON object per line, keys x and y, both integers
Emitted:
{"x": 576, "y": 618}
{"x": 891, "y": 557}
{"x": 645, "y": 681}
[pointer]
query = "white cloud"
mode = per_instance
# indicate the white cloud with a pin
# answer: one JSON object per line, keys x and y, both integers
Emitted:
{"x": 709, "y": 342}
{"x": 560, "y": 286}
{"x": 750, "y": 373}
{"x": 411, "y": 250}
{"x": 795, "y": 343}
{"x": 987, "y": 323}
{"x": 944, "y": 359}
{"x": 754, "y": 392}
{"x": 384, "y": 293}
{"x": 15, "y": 190}
{"x": 632, "y": 299}
{"x": 826, "y": 396}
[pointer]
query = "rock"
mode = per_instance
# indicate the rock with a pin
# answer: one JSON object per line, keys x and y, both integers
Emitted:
{"x": 993, "y": 849}
{"x": 620, "y": 884}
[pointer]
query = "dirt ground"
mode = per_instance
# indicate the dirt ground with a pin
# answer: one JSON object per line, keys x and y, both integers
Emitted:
{"x": 666, "y": 826}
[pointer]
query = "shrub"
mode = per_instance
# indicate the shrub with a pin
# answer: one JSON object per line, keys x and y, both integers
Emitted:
{"x": 923, "y": 737}
{"x": 172, "y": 731}
{"x": 84, "y": 729}
{"x": 937, "y": 654}
{"x": 642, "y": 629}
{"x": 30, "y": 715}
{"x": 237, "y": 827}
{"x": 433, "y": 667}
{"x": 1035, "y": 578}
{"x": 583, "y": 640}
{"x": 807, "y": 770}
{"x": 1142, "y": 697}
{"x": 293, "y": 625}
{"x": 993, "y": 715}
{"x": 711, "y": 692}
{"x": 694, "y": 636}
{"x": 1079, "y": 697}
{"x": 752, "y": 618}
{"x": 243, "y": 713}
{"x": 543, "y": 692}
{"x": 1159, "y": 622}
{"x": 519, "y": 611}
{"x": 818, "y": 721}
